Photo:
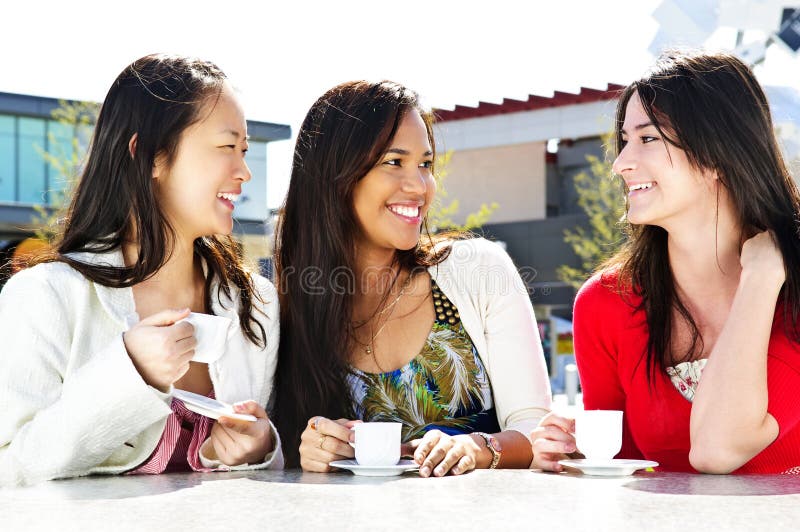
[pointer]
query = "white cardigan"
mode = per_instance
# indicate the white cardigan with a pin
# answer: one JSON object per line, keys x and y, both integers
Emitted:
{"x": 71, "y": 400}
{"x": 480, "y": 279}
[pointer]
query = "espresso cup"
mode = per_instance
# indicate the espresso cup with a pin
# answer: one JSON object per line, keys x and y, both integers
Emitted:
{"x": 598, "y": 433}
{"x": 377, "y": 443}
{"x": 211, "y": 333}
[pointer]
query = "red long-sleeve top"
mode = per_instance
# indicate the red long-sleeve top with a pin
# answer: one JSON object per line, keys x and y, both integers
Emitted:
{"x": 610, "y": 338}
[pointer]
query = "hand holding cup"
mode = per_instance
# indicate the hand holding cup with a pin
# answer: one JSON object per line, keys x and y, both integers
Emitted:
{"x": 552, "y": 441}
{"x": 161, "y": 348}
{"x": 324, "y": 441}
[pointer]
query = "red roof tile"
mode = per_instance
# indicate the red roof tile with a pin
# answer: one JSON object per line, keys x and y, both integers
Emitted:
{"x": 586, "y": 95}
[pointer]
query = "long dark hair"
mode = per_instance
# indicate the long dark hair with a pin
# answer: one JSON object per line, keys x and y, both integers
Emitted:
{"x": 343, "y": 136}
{"x": 155, "y": 98}
{"x": 710, "y": 106}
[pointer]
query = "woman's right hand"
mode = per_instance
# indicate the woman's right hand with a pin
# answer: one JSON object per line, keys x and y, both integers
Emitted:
{"x": 551, "y": 441}
{"x": 160, "y": 348}
{"x": 324, "y": 441}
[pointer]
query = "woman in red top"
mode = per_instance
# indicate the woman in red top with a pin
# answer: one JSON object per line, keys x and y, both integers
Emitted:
{"x": 691, "y": 328}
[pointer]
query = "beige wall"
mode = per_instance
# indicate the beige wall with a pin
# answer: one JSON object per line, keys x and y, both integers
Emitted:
{"x": 256, "y": 247}
{"x": 513, "y": 176}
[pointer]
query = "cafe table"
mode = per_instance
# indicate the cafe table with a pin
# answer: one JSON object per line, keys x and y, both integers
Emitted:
{"x": 480, "y": 500}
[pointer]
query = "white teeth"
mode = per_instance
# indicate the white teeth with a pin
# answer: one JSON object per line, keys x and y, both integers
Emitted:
{"x": 402, "y": 210}
{"x": 640, "y": 186}
{"x": 228, "y": 196}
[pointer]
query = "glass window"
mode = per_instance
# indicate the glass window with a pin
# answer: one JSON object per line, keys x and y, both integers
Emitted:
{"x": 31, "y": 161}
{"x": 8, "y": 158}
{"x": 63, "y": 159}
{"x": 84, "y": 133}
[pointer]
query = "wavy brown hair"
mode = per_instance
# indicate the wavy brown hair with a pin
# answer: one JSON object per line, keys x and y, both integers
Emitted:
{"x": 711, "y": 106}
{"x": 156, "y": 98}
{"x": 344, "y": 135}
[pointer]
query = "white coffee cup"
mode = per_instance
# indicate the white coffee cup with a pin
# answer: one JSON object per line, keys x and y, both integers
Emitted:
{"x": 598, "y": 433}
{"x": 377, "y": 443}
{"x": 211, "y": 333}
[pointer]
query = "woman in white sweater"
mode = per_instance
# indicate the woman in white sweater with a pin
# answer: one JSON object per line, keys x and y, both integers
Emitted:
{"x": 379, "y": 323}
{"x": 93, "y": 346}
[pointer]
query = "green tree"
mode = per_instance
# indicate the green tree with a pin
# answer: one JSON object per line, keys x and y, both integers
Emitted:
{"x": 441, "y": 213}
{"x": 64, "y": 155}
{"x": 602, "y": 198}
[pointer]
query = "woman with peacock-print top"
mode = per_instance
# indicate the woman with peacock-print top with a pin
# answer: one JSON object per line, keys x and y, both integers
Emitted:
{"x": 444, "y": 387}
{"x": 381, "y": 323}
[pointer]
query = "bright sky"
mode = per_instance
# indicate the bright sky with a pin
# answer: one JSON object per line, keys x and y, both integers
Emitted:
{"x": 283, "y": 54}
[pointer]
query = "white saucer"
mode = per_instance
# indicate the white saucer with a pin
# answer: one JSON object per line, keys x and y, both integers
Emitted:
{"x": 208, "y": 407}
{"x": 376, "y": 471}
{"x": 608, "y": 468}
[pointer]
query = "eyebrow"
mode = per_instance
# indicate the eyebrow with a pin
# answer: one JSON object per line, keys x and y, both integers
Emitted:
{"x": 234, "y": 133}
{"x": 640, "y": 126}
{"x": 401, "y": 151}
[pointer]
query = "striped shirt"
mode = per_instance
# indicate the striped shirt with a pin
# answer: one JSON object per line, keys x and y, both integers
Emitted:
{"x": 179, "y": 447}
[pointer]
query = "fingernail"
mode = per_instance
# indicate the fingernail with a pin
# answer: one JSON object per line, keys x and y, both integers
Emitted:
{"x": 424, "y": 471}
{"x": 439, "y": 471}
{"x": 570, "y": 448}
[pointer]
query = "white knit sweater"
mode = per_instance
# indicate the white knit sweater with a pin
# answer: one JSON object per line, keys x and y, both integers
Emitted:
{"x": 480, "y": 279}
{"x": 71, "y": 401}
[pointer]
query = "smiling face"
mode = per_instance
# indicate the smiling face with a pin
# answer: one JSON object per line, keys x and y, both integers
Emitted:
{"x": 198, "y": 190}
{"x": 392, "y": 199}
{"x": 663, "y": 187}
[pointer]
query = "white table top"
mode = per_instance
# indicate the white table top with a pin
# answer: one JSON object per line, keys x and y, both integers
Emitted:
{"x": 493, "y": 500}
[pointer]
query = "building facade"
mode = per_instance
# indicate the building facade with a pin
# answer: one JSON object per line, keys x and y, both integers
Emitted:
{"x": 523, "y": 155}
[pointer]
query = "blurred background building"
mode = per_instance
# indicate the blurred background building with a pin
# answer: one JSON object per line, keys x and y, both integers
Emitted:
{"x": 523, "y": 155}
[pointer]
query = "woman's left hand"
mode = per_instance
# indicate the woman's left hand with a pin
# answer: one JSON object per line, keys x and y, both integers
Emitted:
{"x": 438, "y": 453}
{"x": 762, "y": 255}
{"x": 238, "y": 442}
